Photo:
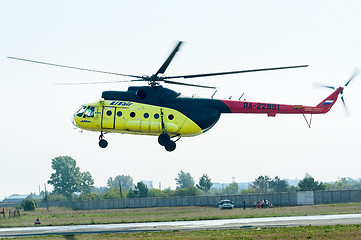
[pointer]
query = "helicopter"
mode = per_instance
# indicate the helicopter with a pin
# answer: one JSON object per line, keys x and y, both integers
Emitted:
{"x": 159, "y": 111}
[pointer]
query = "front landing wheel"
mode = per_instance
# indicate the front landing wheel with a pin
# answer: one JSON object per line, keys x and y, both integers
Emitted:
{"x": 103, "y": 143}
{"x": 170, "y": 146}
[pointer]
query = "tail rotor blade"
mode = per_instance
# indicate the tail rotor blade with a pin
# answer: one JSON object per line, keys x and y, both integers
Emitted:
{"x": 347, "y": 112}
{"x": 322, "y": 85}
{"x": 343, "y": 101}
{"x": 355, "y": 73}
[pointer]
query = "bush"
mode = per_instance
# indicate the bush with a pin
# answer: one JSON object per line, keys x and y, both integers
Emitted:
{"x": 29, "y": 204}
{"x": 88, "y": 197}
{"x": 53, "y": 197}
{"x": 189, "y": 191}
{"x": 156, "y": 193}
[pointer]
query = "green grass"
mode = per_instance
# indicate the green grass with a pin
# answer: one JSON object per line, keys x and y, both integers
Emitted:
{"x": 66, "y": 216}
{"x": 306, "y": 232}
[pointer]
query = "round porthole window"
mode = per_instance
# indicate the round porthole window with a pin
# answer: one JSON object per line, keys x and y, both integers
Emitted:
{"x": 132, "y": 114}
{"x": 146, "y": 115}
{"x": 109, "y": 113}
{"x": 156, "y": 116}
{"x": 170, "y": 116}
{"x": 119, "y": 113}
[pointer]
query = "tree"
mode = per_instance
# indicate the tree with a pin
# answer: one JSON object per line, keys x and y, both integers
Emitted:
{"x": 67, "y": 177}
{"x": 205, "y": 183}
{"x": 184, "y": 180}
{"x": 262, "y": 183}
{"x": 278, "y": 185}
{"x": 341, "y": 183}
{"x": 87, "y": 183}
{"x": 141, "y": 190}
{"x": 232, "y": 188}
{"x": 112, "y": 194}
{"x": 308, "y": 183}
{"x": 125, "y": 180}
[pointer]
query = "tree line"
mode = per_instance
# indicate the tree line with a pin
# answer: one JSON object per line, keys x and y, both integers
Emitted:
{"x": 69, "y": 183}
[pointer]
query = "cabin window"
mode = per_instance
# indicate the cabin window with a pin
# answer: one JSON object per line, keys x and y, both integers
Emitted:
{"x": 146, "y": 115}
{"x": 89, "y": 112}
{"x": 132, "y": 114}
{"x": 170, "y": 116}
{"x": 119, "y": 113}
{"x": 109, "y": 112}
{"x": 81, "y": 111}
{"x": 156, "y": 116}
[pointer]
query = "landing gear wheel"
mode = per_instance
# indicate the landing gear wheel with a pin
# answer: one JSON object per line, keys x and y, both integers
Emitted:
{"x": 163, "y": 139}
{"x": 103, "y": 143}
{"x": 170, "y": 146}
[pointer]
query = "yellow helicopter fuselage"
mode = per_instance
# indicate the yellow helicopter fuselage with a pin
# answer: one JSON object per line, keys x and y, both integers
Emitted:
{"x": 134, "y": 118}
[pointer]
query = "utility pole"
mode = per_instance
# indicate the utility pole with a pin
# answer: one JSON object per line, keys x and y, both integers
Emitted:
{"x": 46, "y": 198}
{"x": 120, "y": 189}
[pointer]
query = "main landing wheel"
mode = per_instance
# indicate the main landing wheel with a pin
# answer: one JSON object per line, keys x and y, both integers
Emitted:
{"x": 170, "y": 146}
{"x": 163, "y": 139}
{"x": 103, "y": 143}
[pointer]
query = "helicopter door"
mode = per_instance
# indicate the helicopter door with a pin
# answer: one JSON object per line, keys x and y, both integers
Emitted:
{"x": 108, "y": 117}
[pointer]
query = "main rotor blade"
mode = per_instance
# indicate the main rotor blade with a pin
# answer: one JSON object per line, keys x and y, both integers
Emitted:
{"x": 187, "y": 84}
{"x": 355, "y": 73}
{"x": 233, "y": 72}
{"x": 169, "y": 59}
{"x": 89, "y": 83}
{"x": 77, "y": 68}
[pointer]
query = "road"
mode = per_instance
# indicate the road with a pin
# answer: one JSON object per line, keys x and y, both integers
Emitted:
{"x": 183, "y": 225}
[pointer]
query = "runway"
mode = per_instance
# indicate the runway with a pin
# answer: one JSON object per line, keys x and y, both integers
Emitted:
{"x": 320, "y": 220}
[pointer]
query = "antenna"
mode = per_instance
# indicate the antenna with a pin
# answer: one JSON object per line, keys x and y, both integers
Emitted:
{"x": 213, "y": 94}
{"x": 241, "y": 96}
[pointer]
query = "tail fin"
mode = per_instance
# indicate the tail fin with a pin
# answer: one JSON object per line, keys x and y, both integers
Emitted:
{"x": 328, "y": 102}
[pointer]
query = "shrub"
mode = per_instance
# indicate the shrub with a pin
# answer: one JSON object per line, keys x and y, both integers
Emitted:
{"x": 29, "y": 204}
{"x": 53, "y": 197}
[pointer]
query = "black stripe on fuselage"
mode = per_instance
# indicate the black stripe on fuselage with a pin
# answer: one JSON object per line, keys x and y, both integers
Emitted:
{"x": 204, "y": 112}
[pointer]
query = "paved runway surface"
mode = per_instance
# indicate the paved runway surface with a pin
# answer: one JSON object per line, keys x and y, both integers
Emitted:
{"x": 184, "y": 225}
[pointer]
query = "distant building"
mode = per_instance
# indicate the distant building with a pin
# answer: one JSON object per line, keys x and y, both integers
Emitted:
{"x": 15, "y": 198}
{"x": 293, "y": 182}
{"x": 149, "y": 184}
{"x": 220, "y": 186}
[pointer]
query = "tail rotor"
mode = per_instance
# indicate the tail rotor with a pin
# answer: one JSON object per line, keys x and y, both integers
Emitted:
{"x": 354, "y": 74}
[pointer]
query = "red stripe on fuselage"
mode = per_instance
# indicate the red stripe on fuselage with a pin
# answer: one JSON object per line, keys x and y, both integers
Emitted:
{"x": 270, "y": 108}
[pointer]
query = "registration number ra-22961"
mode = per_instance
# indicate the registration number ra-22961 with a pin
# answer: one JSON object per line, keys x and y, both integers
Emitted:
{"x": 264, "y": 106}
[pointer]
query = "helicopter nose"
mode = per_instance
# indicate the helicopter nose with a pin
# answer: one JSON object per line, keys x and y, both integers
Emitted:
{"x": 73, "y": 121}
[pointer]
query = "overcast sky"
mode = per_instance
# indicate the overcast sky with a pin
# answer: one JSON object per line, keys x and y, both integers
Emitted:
{"x": 135, "y": 37}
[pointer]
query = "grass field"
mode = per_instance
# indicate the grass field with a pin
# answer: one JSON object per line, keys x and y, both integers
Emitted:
{"x": 307, "y": 232}
{"x": 65, "y": 216}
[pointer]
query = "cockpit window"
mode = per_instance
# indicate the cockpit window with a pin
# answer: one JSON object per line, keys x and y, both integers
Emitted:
{"x": 81, "y": 111}
{"x": 85, "y": 111}
{"x": 89, "y": 112}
